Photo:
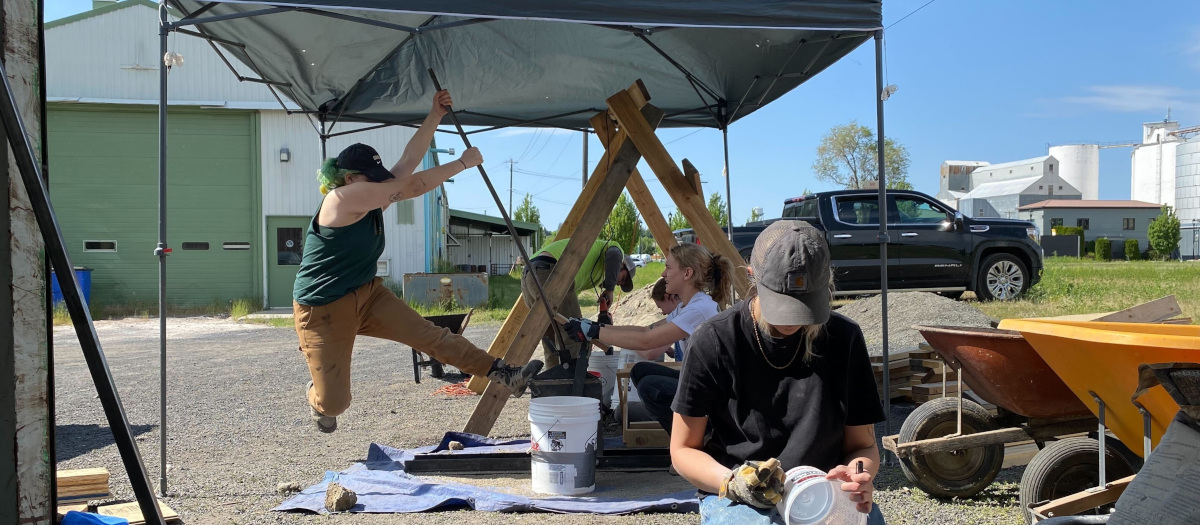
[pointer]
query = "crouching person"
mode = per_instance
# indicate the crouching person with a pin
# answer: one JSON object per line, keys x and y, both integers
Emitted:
{"x": 777, "y": 377}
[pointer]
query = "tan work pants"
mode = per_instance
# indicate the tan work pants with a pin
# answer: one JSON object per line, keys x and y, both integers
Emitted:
{"x": 569, "y": 307}
{"x": 327, "y": 335}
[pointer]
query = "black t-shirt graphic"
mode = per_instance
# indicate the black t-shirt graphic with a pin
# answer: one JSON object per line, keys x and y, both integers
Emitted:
{"x": 756, "y": 412}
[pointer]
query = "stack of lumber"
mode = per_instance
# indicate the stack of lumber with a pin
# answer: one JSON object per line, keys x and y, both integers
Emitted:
{"x": 133, "y": 513}
{"x": 915, "y": 375}
{"x": 82, "y": 485}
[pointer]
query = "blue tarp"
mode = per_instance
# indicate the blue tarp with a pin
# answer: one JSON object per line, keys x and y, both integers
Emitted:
{"x": 383, "y": 487}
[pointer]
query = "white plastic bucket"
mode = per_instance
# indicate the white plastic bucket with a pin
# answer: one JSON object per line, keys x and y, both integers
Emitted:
{"x": 627, "y": 358}
{"x": 810, "y": 499}
{"x": 607, "y": 365}
{"x": 563, "y": 456}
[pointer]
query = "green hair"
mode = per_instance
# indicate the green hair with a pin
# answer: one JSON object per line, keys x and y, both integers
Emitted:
{"x": 330, "y": 176}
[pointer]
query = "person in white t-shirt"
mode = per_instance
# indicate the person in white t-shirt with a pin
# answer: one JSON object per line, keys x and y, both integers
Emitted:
{"x": 702, "y": 281}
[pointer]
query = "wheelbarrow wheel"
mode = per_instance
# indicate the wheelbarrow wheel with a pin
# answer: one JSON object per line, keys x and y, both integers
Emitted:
{"x": 1070, "y": 466}
{"x": 960, "y": 473}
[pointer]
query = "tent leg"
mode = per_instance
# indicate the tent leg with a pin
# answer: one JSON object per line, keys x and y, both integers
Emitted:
{"x": 585, "y": 158}
{"x": 324, "y": 137}
{"x": 161, "y": 250}
{"x": 728, "y": 194}
{"x": 883, "y": 233}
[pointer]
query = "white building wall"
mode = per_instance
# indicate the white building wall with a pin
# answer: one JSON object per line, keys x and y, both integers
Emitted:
{"x": 290, "y": 188}
{"x": 1079, "y": 165}
{"x": 114, "y": 57}
{"x": 1014, "y": 170}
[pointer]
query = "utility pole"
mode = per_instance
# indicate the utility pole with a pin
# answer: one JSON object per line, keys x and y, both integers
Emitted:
{"x": 512, "y": 257}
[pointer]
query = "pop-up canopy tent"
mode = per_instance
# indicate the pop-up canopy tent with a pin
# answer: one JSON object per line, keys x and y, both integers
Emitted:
{"x": 545, "y": 63}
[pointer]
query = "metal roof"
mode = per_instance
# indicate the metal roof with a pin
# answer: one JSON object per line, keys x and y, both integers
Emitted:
{"x": 1015, "y": 163}
{"x": 1062, "y": 203}
{"x": 496, "y": 224}
{"x": 1004, "y": 187}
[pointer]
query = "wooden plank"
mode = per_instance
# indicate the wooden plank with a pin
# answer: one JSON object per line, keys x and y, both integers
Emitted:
{"x": 87, "y": 476}
{"x": 893, "y": 357}
{"x": 131, "y": 512}
{"x": 1086, "y": 500}
{"x": 77, "y": 507}
{"x": 935, "y": 388}
{"x": 518, "y": 313}
{"x": 947, "y": 444}
{"x": 651, "y": 214}
{"x": 503, "y": 340}
{"x": 692, "y": 176}
{"x": 691, "y": 205}
{"x": 1156, "y": 310}
{"x": 562, "y": 279}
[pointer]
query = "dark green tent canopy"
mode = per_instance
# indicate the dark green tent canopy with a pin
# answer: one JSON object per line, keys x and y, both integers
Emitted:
{"x": 533, "y": 62}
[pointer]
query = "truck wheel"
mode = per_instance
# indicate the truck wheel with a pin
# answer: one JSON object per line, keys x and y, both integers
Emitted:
{"x": 960, "y": 473}
{"x": 1001, "y": 277}
{"x": 745, "y": 253}
{"x": 1070, "y": 466}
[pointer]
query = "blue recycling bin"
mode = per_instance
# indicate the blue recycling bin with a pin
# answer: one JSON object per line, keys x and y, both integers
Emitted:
{"x": 84, "y": 274}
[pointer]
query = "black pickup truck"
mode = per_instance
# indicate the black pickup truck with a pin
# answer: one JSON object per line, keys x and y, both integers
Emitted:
{"x": 932, "y": 247}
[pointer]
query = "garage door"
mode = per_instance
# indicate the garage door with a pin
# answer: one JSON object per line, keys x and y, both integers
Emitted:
{"x": 104, "y": 186}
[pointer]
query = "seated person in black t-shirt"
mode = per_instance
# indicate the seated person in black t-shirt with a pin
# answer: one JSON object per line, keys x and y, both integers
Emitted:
{"x": 777, "y": 377}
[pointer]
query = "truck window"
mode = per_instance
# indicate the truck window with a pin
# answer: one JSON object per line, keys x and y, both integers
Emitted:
{"x": 860, "y": 211}
{"x": 914, "y": 210}
{"x": 806, "y": 209}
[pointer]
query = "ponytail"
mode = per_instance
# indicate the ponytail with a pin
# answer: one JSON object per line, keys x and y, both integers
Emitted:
{"x": 330, "y": 176}
{"x": 721, "y": 278}
{"x": 711, "y": 273}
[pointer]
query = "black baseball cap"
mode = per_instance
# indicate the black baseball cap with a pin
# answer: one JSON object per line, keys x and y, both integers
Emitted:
{"x": 362, "y": 158}
{"x": 792, "y": 272}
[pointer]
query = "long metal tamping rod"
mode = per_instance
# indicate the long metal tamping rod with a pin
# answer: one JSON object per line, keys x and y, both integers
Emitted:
{"x": 512, "y": 230}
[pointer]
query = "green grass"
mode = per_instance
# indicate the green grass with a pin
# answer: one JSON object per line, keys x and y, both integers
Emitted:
{"x": 1078, "y": 286}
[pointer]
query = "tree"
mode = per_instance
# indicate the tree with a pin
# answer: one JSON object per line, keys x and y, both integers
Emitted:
{"x": 527, "y": 212}
{"x": 716, "y": 208}
{"x": 756, "y": 214}
{"x": 846, "y": 157}
{"x": 647, "y": 245}
{"x": 1164, "y": 232}
{"x": 623, "y": 225}
{"x": 676, "y": 221}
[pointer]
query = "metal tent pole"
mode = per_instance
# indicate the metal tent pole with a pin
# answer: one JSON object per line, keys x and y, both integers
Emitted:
{"x": 81, "y": 318}
{"x": 161, "y": 250}
{"x": 883, "y": 233}
{"x": 724, "y": 109}
{"x": 585, "y": 158}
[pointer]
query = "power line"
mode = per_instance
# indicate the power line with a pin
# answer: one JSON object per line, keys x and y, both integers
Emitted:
{"x": 543, "y": 175}
{"x": 685, "y": 136}
{"x": 908, "y": 15}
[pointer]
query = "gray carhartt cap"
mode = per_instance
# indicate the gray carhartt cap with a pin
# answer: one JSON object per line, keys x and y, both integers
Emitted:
{"x": 792, "y": 273}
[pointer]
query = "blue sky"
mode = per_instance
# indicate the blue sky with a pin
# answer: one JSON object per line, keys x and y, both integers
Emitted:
{"x": 994, "y": 81}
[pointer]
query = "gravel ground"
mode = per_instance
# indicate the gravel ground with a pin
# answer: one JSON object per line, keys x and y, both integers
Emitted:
{"x": 906, "y": 309}
{"x": 238, "y": 427}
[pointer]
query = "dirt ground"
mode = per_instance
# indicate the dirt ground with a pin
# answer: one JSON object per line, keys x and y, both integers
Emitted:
{"x": 238, "y": 427}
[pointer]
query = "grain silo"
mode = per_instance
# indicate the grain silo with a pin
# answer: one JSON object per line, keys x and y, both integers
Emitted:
{"x": 1079, "y": 165}
{"x": 1187, "y": 196}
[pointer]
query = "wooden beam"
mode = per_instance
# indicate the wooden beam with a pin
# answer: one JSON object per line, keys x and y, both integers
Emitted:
{"x": 692, "y": 176}
{"x": 1153, "y": 311}
{"x": 562, "y": 279}
{"x": 651, "y": 213}
{"x": 1083, "y": 501}
{"x": 517, "y": 315}
{"x": 690, "y": 204}
{"x": 503, "y": 339}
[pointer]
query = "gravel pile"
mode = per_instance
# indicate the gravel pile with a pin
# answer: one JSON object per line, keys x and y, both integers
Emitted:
{"x": 906, "y": 309}
{"x": 238, "y": 428}
{"x": 636, "y": 308}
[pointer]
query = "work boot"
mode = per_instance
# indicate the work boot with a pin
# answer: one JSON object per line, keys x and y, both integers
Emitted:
{"x": 326, "y": 424}
{"x": 515, "y": 378}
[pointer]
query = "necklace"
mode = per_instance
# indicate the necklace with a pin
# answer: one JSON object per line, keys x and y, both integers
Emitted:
{"x": 758, "y": 339}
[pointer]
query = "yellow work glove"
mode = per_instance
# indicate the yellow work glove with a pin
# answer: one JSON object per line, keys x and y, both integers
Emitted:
{"x": 758, "y": 484}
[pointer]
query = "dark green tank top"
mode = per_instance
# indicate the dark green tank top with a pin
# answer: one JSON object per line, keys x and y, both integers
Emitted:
{"x": 338, "y": 260}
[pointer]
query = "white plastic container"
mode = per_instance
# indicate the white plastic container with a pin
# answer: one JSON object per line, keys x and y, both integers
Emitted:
{"x": 607, "y": 365}
{"x": 810, "y": 499}
{"x": 629, "y": 357}
{"x": 563, "y": 457}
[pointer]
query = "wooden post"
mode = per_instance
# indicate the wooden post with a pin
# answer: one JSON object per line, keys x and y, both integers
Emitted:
{"x": 624, "y": 157}
{"x": 516, "y": 316}
{"x": 24, "y": 413}
{"x": 655, "y": 222}
{"x": 690, "y": 204}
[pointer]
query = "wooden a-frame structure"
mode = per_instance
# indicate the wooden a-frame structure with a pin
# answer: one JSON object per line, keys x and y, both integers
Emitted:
{"x": 627, "y": 131}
